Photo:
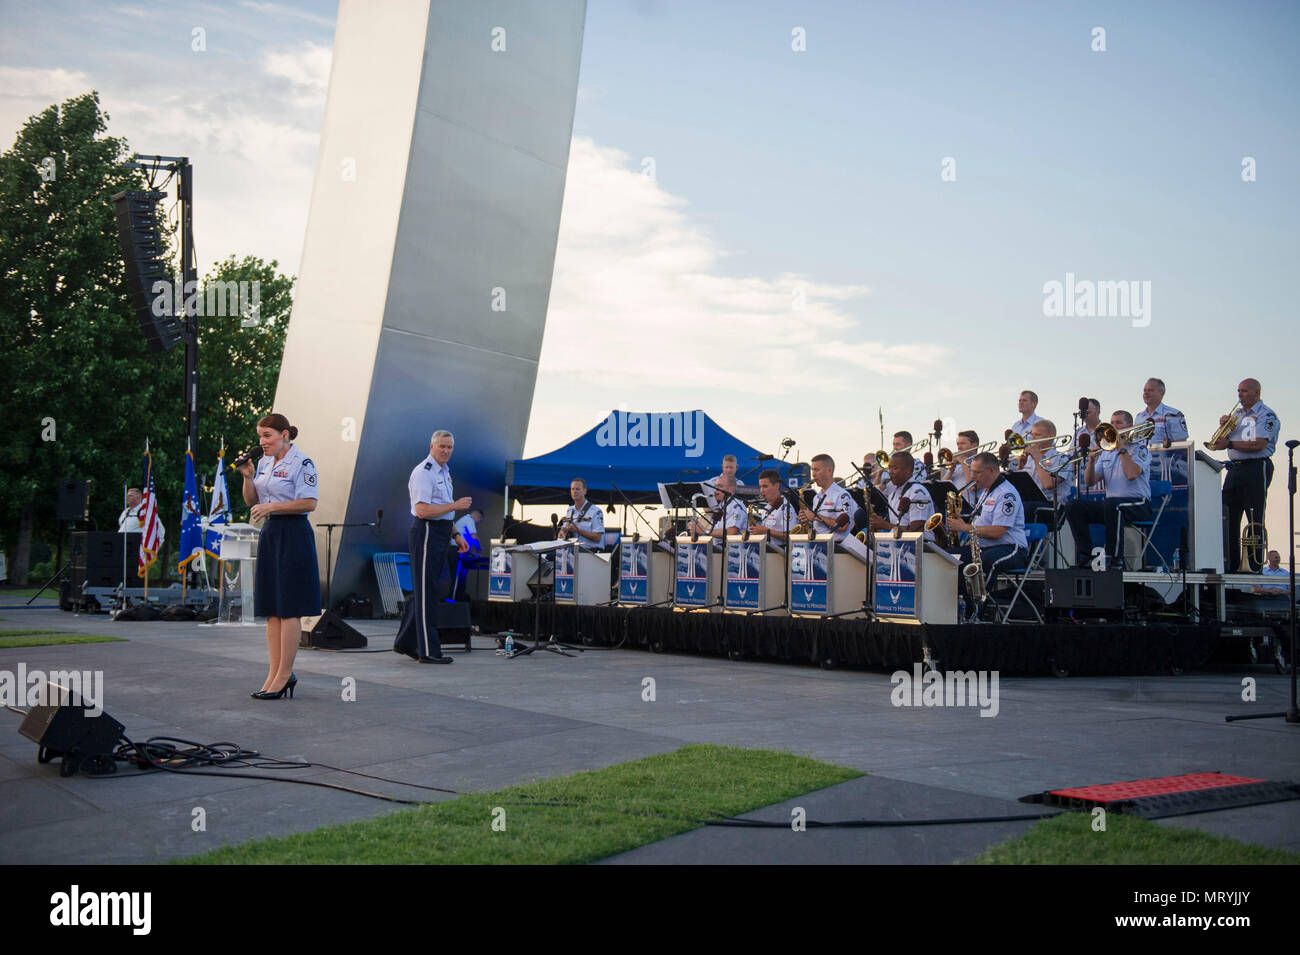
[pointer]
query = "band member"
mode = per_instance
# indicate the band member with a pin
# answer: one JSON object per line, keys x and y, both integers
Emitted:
{"x": 1126, "y": 470}
{"x": 128, "y": 522}
{"x": 832, "y": 508}
{"x": 1250, "y": 471}
{"x": 1274, "y": 568}
{"x": 731, "y": 518}
{"x": 1170, "y": 422}
{"x": 967, "y": 442}
{"x": 910, "y": 504}
{"x": 902, "y": 439}
{"x": 779, "y": 516}
{"x": 729, "y": 466}
{"x": 999, "y": 519}
{"x": 1027, "y": 403}
{"x": 583, "y": 520}
{"x": 433, "y": 508}
{"x": 281, "y": 488}
{"x": 1038, "y": 458}
{"x": 1089, "y": 427}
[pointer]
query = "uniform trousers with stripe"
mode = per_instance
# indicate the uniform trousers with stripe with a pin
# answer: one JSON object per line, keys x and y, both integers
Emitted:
{"x": 427, "y": 542}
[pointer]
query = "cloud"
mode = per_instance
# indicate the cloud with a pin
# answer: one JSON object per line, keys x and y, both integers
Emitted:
{"x": 306, "y": 68}
{"x": 27, "y": 91}
{"x": 286, "y": 13}
{"x": 645, "y": 313}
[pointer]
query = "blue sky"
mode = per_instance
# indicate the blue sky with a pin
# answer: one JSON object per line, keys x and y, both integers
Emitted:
{"x": 777, "y": 169}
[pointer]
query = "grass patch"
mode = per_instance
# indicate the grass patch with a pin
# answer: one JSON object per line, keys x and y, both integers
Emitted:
{"x": 603, "y": 812}
{"x": 24, "y": 593}
{"x": 50, "y": 638}
{"x": 1068, "y": 839}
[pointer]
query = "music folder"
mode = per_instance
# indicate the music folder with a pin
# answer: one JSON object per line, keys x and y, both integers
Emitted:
{"x": 1023, "y": 481}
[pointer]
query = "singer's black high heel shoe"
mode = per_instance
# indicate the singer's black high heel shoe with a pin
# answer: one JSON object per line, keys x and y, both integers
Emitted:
{"x": 287, "y": 688}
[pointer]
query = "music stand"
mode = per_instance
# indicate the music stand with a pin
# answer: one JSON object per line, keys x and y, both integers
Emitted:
{"x": 551, "y": 645}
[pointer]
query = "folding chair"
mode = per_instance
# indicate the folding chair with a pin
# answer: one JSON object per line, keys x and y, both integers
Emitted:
{"x": 1036, "y": 537}
{"x": 1161, "y": 492}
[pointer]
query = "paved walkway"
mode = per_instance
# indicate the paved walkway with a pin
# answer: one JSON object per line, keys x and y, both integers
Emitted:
{"x": 486, "y": 722}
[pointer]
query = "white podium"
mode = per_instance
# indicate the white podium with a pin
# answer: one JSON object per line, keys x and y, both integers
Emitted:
{"x": 695, "y": 584}
{"x": 754, "y": 572}
{"x": 238, "y": 572}
{"x": 825, "y": 581}
{"x": 645, "y": 573}
{"x": 581, "y": 576}
{"x": 916, "y": 582}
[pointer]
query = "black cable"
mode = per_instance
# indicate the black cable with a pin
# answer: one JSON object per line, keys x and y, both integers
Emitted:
{"x": 733, "y": 822}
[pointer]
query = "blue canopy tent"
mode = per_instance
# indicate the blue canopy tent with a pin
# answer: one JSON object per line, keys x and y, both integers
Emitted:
{"x": 637, "y": 451}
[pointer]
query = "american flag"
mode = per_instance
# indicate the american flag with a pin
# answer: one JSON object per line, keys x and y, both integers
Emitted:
{"x": 150, "y": 527}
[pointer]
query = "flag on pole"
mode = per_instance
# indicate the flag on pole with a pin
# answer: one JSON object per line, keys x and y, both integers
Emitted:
{"x": 151, "y": 532}
{"x": 191, "y": 533}
{"x": 219, "y": 512}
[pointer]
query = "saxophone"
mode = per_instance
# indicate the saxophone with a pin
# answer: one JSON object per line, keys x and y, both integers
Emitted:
{"x": 974, "y": 572}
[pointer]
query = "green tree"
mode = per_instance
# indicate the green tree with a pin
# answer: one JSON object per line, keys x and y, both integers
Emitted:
{"x": 84, "y": 390}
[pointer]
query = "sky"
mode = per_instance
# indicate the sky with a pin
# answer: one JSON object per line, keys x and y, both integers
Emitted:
{"x": 865, "y": 223}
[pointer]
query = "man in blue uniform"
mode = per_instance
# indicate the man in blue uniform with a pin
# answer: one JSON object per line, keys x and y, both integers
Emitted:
{"x": 1250, "y": 447}
{"x": 433, "y": 508}
{"x": 1126, "y": 469}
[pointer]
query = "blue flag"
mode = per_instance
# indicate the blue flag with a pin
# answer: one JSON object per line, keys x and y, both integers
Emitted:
{"x": 219, "y": 512}
{"x": 191, "y": 533}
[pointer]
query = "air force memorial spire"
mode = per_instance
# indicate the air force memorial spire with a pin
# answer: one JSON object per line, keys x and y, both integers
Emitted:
{"x": 426, "y": 268}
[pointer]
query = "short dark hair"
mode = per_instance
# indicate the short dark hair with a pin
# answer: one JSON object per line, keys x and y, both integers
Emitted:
{"x": 581, "y": 481}
{"x": 1158, "y": 382}
{"x": 1032, "y": 396}
{"x": 903, "y": 454}
{"x": 970, "y": 436}
{"x": 278, "y": 422}
{"x": 1094, "y": 403}
{"x": 905, "y": 435}
{"x": 1127, "y": 416}
{"x": 986, "y": 459}
{"x": 771, "y": 475}
{"x": 823, "y": 457}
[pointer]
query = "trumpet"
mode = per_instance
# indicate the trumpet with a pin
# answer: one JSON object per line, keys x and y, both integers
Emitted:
{"x": 1108, "y": 437}
{"x": 1225, "y": 429}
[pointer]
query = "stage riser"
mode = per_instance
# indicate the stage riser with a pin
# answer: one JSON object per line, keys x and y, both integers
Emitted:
{"x": 1029, "y": 650}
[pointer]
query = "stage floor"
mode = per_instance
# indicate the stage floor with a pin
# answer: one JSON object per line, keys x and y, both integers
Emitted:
{"x": 487, "y": 722}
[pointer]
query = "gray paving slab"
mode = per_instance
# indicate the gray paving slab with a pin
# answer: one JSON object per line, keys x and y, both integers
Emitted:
{"x": 487, "y": 722}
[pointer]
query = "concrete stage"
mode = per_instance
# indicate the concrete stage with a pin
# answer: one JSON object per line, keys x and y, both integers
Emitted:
{"x": 486, "y": 722}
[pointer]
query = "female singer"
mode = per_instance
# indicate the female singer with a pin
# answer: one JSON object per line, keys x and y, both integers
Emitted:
{"x": 287, "y": 585}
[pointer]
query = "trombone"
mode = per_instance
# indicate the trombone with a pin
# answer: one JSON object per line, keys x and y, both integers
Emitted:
{"x": 1108, "y": 437}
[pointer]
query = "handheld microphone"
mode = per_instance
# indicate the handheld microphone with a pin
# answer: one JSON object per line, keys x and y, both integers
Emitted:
{"x": 249, "y": 456}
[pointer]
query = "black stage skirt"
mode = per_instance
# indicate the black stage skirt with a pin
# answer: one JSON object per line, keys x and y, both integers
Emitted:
{"x": 288, "y": 580}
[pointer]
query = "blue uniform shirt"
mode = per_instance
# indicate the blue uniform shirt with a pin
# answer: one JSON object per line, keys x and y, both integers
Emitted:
{"x": 1169, "y": 421}
{"x": 1001, "y": 505}
{"x": 292, "y": 478}
{"x": 1257, "y": 421}
{"x": 430, "y": 483}
{"x": 1111, "y": 469}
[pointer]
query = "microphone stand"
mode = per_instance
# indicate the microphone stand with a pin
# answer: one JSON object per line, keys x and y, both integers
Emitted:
{"x": 329, "y": 549}
{"x": 1292, "y": 714}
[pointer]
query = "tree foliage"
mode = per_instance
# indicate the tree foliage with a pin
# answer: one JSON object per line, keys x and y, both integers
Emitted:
{"x": 84, "y": 391}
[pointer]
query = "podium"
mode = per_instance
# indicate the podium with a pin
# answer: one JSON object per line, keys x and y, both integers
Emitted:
{"x": 645, "y": 573}
{"x": 695, "y": 584}
{"x": 1196, "y": 503}
{"x": 916, "y": 582}
{"x": 581, "y": 576}
{"x": 238, "y": 570}
{"x": 752, "y": 573}
{"x": 512, "y": 566}
{"x": 825, "y": 581}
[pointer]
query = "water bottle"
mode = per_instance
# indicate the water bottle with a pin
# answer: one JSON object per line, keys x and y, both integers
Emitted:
{"x": 961, "y": 608}
{"x": 510, "y": 644}
{"x": 1177, "y": 559}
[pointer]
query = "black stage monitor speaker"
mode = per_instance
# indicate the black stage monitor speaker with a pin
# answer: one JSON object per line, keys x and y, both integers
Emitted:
{"x": 1085, "y": 589}
{"x": 453, "y": 623}
{"x": 97, "y": 559}
{"x": 332, "y": 632}
{"x": 73, "y": 501}
{"x": 66, "y": 730}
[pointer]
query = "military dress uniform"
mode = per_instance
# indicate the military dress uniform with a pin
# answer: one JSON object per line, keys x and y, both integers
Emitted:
{"x": 828, "y": 505}
{"x": 1169, "y": 423}
{"x": 1001, "y": 506}
{"x": 736, "y": 514}
{"x": 959, "y": 479}
{"x": 1245, "y": 489}
{"x": 589, "y": 518}
{"x": 1125, "y": 498}
{"x": 1100, "y": 483}
{"x": 920, "y": 505}
{"x": 287, "y": 579}
{"x": 1057, "y": 496}
{"x": 781, "y": 518}
{"x": 430, "y": 483}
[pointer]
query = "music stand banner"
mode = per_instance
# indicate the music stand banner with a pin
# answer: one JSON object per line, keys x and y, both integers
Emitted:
{"x": 692, "y": 586}
{"x": 499, "y": 574}
{"x": 810, "y": 590}
{"x": 897, "y": 574}
{"x": 744, "y": 567}
{"x": 566, "y": 559}
{"x": 634, "y": 572}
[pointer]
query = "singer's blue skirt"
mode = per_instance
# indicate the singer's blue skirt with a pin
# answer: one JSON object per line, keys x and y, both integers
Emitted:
{"x": 287, "y": 582}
